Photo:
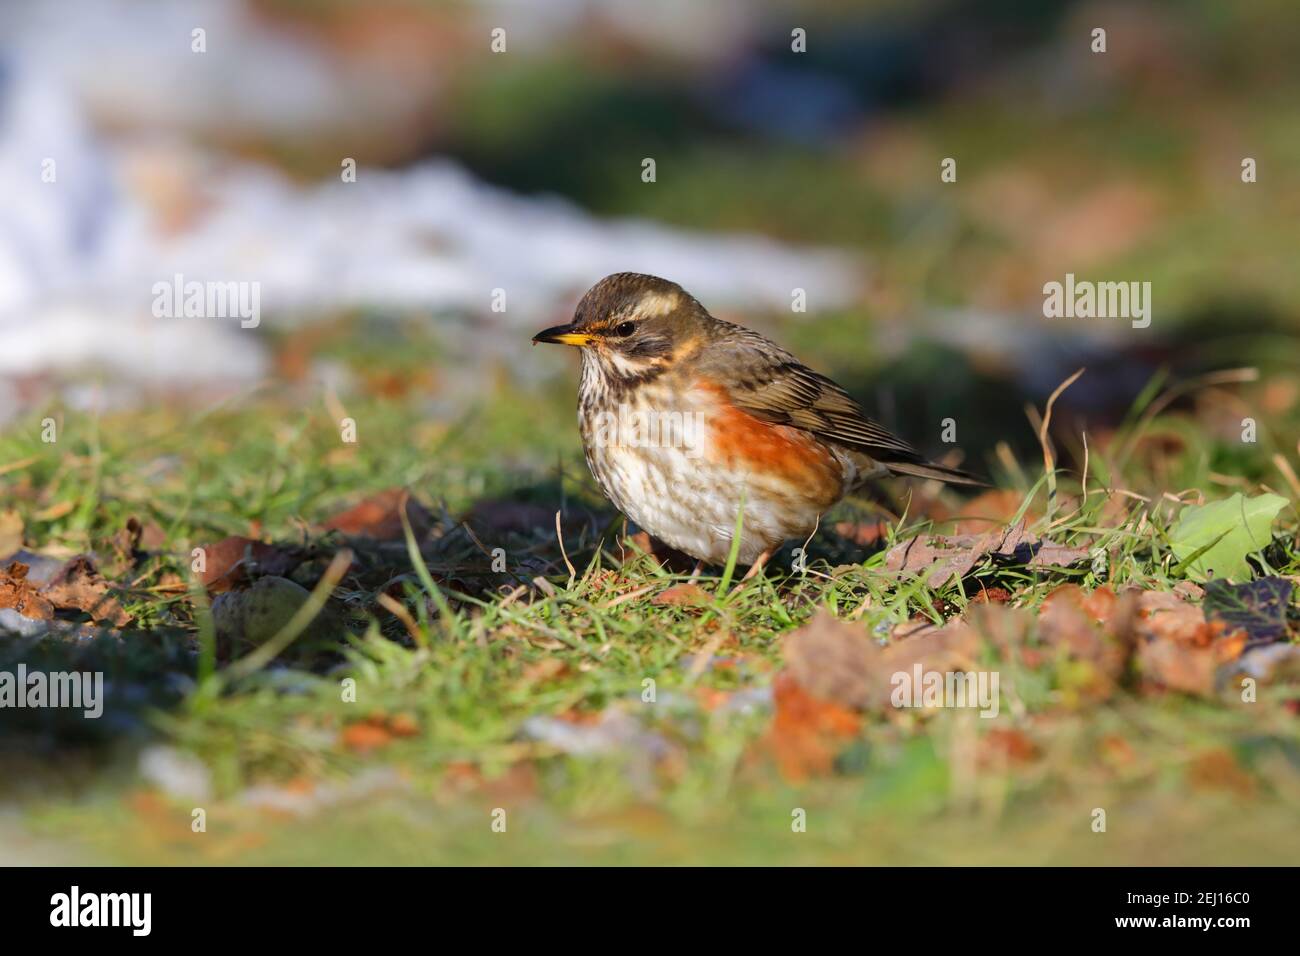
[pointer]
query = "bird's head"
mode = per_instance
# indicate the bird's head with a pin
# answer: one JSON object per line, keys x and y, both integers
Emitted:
{"x": 632, "y": 325}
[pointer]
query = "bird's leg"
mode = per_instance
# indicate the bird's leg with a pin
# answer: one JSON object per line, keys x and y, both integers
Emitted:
{"x": 757, "y": 565}
{"x": 699, "y": 566}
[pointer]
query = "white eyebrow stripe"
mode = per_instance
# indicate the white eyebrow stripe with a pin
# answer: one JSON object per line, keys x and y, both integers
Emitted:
{"x": 658, "y": 303}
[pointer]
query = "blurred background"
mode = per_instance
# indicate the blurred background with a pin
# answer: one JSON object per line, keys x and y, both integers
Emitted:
{"x": 521, "y": 171}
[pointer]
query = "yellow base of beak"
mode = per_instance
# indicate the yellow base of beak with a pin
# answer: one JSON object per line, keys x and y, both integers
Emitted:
{"x": 561, "y": 335}
{"x": 573, "y": 338}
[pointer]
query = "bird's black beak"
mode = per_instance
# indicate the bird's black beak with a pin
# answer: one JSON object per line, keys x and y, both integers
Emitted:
{"x": 563, "y": 335}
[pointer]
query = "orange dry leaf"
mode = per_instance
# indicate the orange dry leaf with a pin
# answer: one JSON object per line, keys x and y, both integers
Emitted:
{"x": 1176, "y": 647}
{"x": 1169, "y": 665}
{"x": 516, "y": 784}
{"x": 1181, "y": 650}
{"x": 1229, "y": 648}
{"x": 1116, "y": 751}
{"x": 365, "y": 737}
{"x": 711, "y": 698}
{"x": 403, "y": 725}
{"x": 1006, "y": 745}
{"x": 1166, "y": 617}
{"x": 681, "y": 595}
{"x": 807, "y": 732}
{"x": 380, "y": 517}
{"x": 21, "y": 595}
{"x": 460, "y": 776}
{"x": 1100, "y": 604}
{"x": 1063, "y": 621}
{"x": 992, "y": 596}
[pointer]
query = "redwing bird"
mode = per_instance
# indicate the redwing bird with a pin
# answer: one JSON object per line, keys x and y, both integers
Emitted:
{"x": 684, "y": 417}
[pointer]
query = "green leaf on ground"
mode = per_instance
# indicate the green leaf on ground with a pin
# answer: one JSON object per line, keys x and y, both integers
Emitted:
{"x": 1224, "y": 532}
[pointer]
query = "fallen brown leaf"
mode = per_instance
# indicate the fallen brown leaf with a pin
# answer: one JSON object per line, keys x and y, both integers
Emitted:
{"x": 1006, "y": 628}
{"x": 1116, "y": 751}
{"x": 232, "y": 562}
{"x": 807, "y": 732}
{"x": 1100, "y": 604}
{"x": 836, "y": 661}
{"x": 380, "y": 517}
{"x": 1167, "y": 617}
{"x": 79, "y": 586}
{"x": 1229, "y": 647}
{"x": 1065, "y": 620}
{"x": 403, "y": 725}
{"x": 1098, "y": 629}
{"x": 953, "y": 646}
{"x": 133, "y": 543}
{"x": 21, "y": 595}
{"x": 1170, "y": 665}
{"x": 681, "y": 595}
{"x": 1174, "y": 646}
{"x": 931, "y": 556}
{"x": 1006, "y": 745}
{"x": 1182, "y": 649}
{"x": 943, "y": 558}
{"x": 992, "y": 596}
{"x": 364, "y": 737}
{"x": 461, "y": 779}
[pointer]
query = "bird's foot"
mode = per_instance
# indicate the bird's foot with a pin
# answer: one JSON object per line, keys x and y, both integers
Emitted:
{"x": 757, "y": 566}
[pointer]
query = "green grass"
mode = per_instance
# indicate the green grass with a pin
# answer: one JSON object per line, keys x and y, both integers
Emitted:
{"x": 688, "y": 778}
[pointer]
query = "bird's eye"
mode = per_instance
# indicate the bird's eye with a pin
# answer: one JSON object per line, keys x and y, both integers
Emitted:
{"x": 625, "y": 329}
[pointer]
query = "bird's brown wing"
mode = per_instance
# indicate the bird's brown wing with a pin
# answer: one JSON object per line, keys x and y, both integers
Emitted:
{"x": 773, "y": 386}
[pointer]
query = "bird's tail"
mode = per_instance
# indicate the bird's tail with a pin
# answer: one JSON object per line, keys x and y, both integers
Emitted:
{"x": 928, "y": 469}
